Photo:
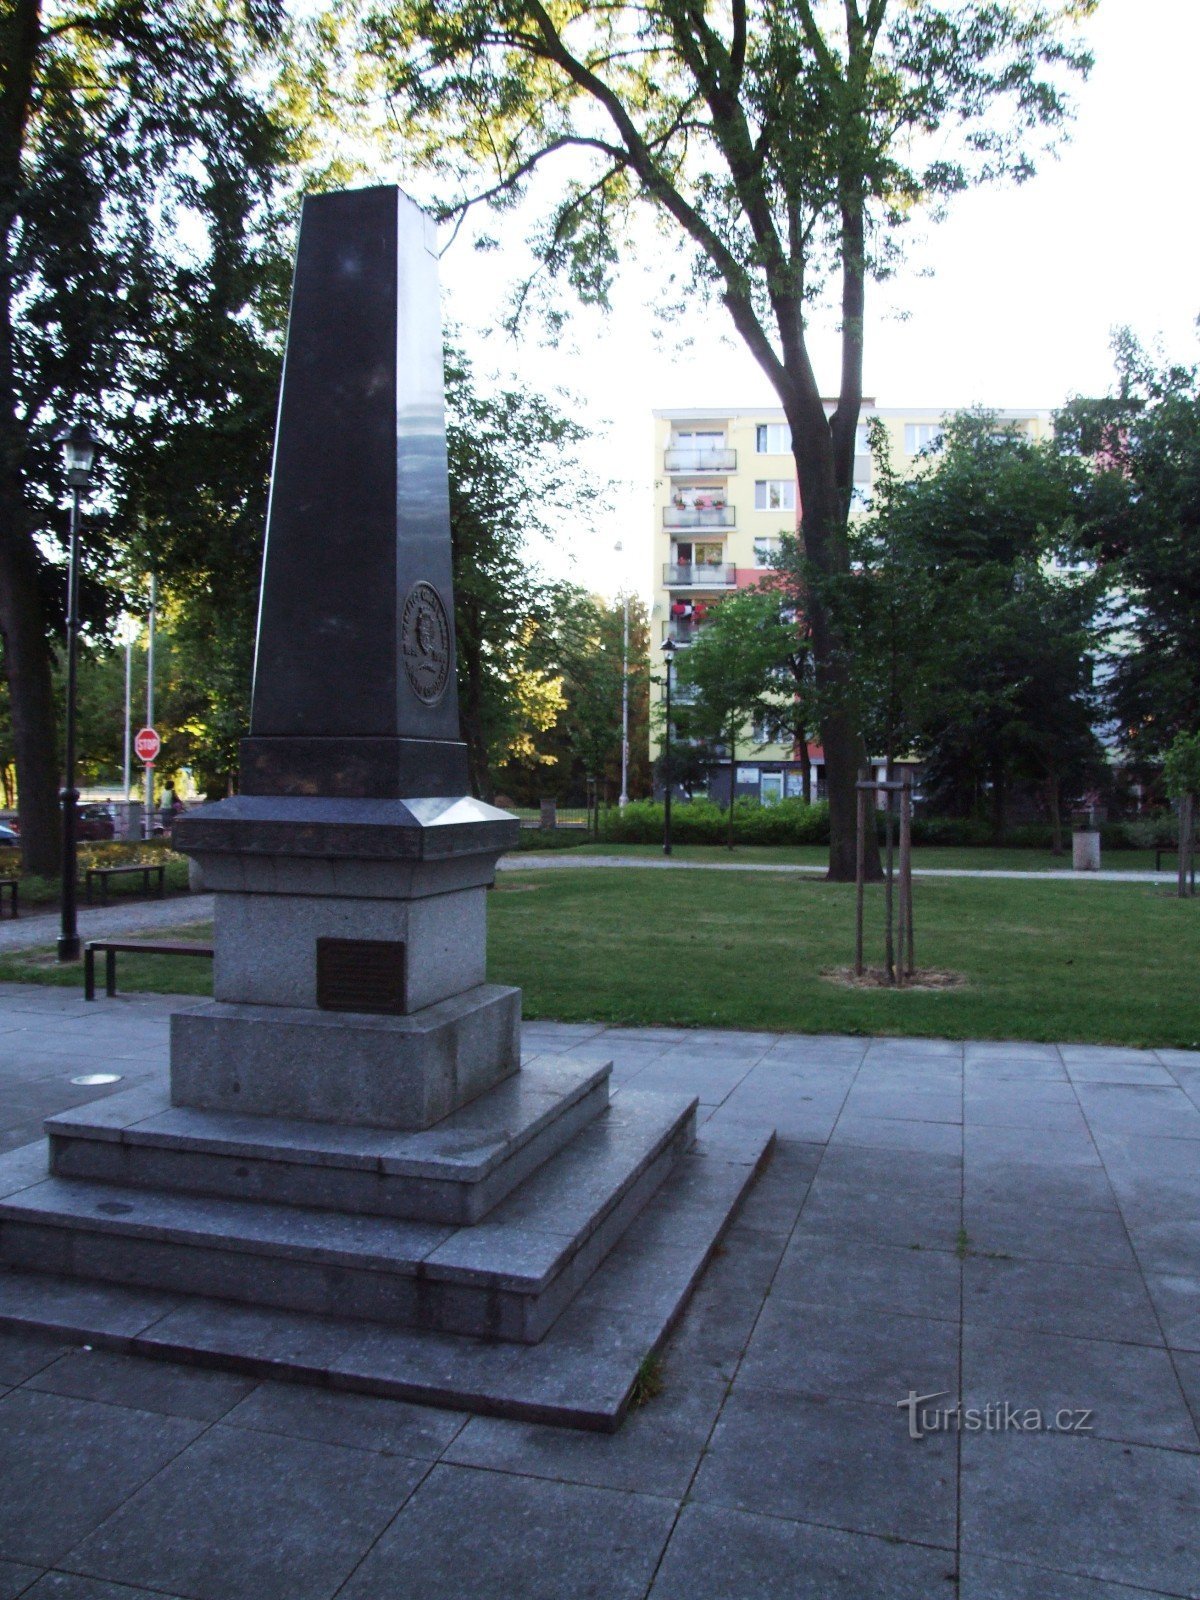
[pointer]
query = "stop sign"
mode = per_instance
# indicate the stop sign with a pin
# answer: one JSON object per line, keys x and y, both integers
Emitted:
{"x": 147, "y": 744}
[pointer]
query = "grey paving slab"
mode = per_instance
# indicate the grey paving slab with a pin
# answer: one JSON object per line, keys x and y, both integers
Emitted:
{"x": 835, "y": 1351}
{"x": 1176, "y": 1298}
{"x": 930, "y": 1176}
{"x": 1071, "y": 1188}
{"x": 830, "y": 1270}
{"x": 1050, "y": 1297}
{"x": 1129, "y": 1070}
{"x": 294, "y": 1517}
{"x": 23, "y": 1354}
{"x": 656, "y": 1451}
{"x": 905, "y": 1218}
{"x": 122, "y": 1380}
{"x": 1151, "y": 1109}
{"x": 1035, "y": 1231}
{"x": 891, "y": 1099}
{"x": 468, "y": 1532}
{"x": 994, "y": 1578}
{"x": 1187, "y": 1366}
{"x": 1132, "y": 1391}
{"x": 715, "y": 1329}
{"x": 1118, "y": 1512}
{"x": 1164, "y": 1242}
{"x": 15, "y": 1579}
{"x": 897, "y": 1133}
{"x": 68, "y": 1464}
{"x": 362, "y": 1422}
{"x": 71, "y": 1586}
{"x": 732, "y": 1555}
{"x": 834, "y": 1462}
{"x": 1051, "y": 1147}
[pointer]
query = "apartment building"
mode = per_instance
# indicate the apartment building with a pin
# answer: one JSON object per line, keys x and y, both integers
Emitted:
{"x": 725, "y": 492}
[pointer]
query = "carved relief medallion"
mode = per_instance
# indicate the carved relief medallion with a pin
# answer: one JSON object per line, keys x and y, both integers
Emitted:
{"x": 425, "y": 642}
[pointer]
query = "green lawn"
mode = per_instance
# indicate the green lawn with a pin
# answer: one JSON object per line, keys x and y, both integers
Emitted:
{"x": 1105, "y": 963}
{"x": 817, "y": 855}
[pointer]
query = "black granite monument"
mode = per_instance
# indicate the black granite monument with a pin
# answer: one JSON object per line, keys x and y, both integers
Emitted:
{"x": 345, "y": 1138}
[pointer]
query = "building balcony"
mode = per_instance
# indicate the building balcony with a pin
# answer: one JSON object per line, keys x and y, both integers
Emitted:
{"x": 699, "y": 517}
{"x": 703, "y": 575}
{"x": 684, "y": 458}
{"x": 682, "y": 630}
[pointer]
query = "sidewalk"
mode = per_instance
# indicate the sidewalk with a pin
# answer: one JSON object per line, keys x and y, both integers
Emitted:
{"x": 515, "y": 863}
{"x": 1014, "y": 1227}
{"x": 40, "y": 927}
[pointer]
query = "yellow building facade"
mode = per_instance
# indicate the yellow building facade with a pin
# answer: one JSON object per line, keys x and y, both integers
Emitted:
{"x": 724, "y": 492}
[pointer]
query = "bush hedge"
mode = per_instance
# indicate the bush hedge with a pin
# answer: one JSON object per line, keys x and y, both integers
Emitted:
{"x": 795, "y": 821}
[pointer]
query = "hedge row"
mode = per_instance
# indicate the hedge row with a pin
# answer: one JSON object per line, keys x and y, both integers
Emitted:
{"x": 795, "y": 821}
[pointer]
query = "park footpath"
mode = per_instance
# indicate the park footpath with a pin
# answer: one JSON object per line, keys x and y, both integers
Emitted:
{"x": 994, "y": 1247}
{"x": 523, "y": 859}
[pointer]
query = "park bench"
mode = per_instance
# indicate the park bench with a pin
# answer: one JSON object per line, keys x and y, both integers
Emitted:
{"x": 111, "y": 947}
{"x": 105, "y": 873}
{"x": 12, "y": 885}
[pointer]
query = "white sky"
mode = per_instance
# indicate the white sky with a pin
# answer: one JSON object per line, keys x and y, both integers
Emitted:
{"x": 1027, "y": 284}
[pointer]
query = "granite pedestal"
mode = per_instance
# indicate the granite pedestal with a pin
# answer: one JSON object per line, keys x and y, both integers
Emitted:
{"x": 344, "y": 1131}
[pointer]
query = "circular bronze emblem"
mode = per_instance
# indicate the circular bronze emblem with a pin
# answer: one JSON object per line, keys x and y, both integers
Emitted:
{"x": 425, "y": 642}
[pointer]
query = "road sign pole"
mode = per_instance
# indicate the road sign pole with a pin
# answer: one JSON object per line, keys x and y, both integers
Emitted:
{"x": 148, "y": 820}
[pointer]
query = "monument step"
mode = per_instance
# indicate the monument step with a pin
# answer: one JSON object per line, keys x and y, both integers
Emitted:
{"x": 580, "y": 1375}
{"x": 454, "y": 1172}
{"x": 507, "y": 1277}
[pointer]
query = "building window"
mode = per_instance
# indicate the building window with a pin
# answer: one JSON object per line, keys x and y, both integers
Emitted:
{"x": 765, "y": 552}
{"x": 860, "y": 499}
{"x": 775, "y": 494}
{"x": 700, "y": 438}
{"x": 773, "y": 439}
{"x": 921, "y": 436}
{"x": 862, "y": 444}
{"x": 763, "y": 729}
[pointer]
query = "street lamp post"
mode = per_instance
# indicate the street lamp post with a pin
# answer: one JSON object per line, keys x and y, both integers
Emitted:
{"x": 79, "y": 451}
{"x": 624, "y": 799}
{"x": 668, "y": 656}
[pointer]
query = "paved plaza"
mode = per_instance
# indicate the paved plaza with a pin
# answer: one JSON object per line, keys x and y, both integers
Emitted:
{"x": 1009, "y": 1229}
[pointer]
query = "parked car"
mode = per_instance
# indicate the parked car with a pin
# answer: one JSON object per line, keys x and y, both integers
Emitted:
{"x": 95, "y": 822}
{"x": 8, "y": 836}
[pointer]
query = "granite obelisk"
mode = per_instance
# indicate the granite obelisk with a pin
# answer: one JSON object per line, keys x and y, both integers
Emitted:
{"x": 354, "y": 688}
{"x": 350, "y": 871}
{"x": 344, "y": 1133}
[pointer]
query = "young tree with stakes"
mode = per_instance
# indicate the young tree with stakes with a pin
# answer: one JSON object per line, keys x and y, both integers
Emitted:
{"x": 786, "y": 141}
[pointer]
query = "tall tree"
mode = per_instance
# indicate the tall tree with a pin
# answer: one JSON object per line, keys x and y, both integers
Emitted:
{"x": 1143, "y": 525}
{"x": 977, "y": 638}
{"x": 787, "y": 142}
{"x": 733, "y": 672}
{"x": 515, "y": 478}
{"x": 139, "y": 153}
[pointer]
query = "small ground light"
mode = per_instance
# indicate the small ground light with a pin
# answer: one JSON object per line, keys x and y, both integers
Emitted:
{"x": 91, "y": 1080}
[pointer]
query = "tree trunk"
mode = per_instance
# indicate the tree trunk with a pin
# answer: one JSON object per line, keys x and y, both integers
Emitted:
{"x": 1054, "y": 802}
{"x": 823, "y": 536}
{"x": 27, "y": 657}
{"x": 999, "y": 802}
{"x": 805, "y": 764}
{"x": 27, "y": 663}
{"x": 732, "y": 790}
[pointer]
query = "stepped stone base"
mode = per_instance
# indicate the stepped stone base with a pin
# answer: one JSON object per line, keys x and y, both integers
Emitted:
{"x": 581, "y": 1374}
{"x": 344, "y": 1067}
{"x": 455, "y": 1172}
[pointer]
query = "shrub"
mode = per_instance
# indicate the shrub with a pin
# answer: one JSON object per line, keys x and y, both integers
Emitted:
{"x": 701, "y": 821}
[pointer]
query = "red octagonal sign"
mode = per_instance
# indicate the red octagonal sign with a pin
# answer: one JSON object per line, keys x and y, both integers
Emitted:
{"x": 147, "y": 744}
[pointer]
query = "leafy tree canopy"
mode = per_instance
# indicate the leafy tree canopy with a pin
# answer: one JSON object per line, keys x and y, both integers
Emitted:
{"x": 786, "y": 142}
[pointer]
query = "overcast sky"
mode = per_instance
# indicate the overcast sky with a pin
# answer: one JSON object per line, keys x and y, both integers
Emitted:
{"x": 1026, "y": 286}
